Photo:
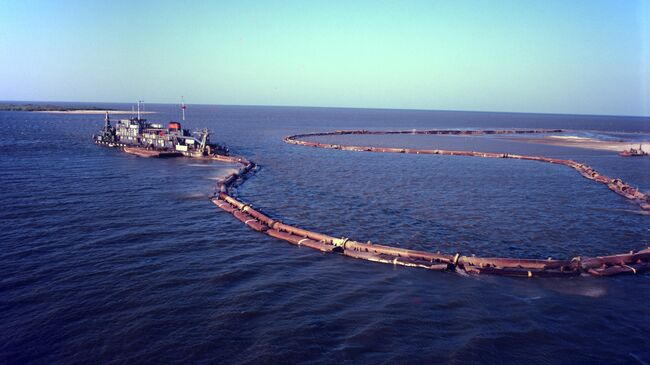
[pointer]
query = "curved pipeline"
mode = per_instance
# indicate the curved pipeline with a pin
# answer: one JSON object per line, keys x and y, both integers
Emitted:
{"x": 628, "y": 263}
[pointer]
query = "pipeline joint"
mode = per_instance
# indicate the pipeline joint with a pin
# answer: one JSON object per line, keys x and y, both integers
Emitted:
{"x": 454, "y": 262}
{"x": 339, "y": 245}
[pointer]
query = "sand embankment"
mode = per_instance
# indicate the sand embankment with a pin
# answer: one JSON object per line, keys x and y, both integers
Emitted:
{"x": 582, "y": 142}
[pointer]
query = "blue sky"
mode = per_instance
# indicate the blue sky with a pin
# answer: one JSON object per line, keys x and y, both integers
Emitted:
{"x": 585, "y": 57}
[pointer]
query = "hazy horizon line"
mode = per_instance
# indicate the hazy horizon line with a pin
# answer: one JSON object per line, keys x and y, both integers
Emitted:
{"x": 333, "y": 107}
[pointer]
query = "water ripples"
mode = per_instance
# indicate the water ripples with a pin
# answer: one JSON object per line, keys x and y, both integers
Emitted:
{"x": 110, "y": 258}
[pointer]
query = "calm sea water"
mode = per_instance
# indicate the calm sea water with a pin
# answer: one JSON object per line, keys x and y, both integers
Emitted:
{"x": 110, "y": 258}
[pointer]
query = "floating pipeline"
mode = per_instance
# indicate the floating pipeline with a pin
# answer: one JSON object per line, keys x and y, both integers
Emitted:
{"x": 627, "y": 263}
{"x": 616, "y": 185}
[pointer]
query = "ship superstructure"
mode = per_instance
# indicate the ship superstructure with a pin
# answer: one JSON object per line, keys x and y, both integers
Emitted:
{"x": 138, "y": 136}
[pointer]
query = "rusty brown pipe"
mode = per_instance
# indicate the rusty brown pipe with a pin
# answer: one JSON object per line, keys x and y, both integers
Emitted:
{"x": 303, "y": 232}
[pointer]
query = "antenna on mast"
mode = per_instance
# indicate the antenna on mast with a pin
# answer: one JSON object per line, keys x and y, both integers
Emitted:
{"x": 183, "y": 107}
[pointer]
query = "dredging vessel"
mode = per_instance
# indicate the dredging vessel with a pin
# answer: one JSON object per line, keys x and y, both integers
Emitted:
{"x": 139, "y": 137}
{"x": 633, "y": 152}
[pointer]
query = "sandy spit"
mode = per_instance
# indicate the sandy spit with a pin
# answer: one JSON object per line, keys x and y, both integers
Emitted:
{"x": 91, "y": 112}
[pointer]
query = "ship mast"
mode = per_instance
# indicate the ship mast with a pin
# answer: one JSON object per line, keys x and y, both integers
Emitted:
{"x": 139, "y": 101}
{"x": 183, "y": 107}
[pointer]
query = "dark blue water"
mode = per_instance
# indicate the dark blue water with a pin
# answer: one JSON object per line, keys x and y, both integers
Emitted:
{"x": 110, "y": 258}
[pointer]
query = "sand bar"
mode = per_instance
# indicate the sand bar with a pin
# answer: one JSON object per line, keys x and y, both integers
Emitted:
{"x": 92, "y": 112}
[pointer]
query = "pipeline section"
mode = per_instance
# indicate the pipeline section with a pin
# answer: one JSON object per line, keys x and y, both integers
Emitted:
{"x": 627, "y": 263}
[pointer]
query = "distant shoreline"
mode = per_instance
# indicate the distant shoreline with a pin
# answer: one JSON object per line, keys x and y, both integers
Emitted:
{"x": 63, "y": 109}
{"x": 91, "y": 112}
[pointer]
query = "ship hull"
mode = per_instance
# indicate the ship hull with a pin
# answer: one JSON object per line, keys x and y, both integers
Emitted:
{"x": 629, "y": 154}
{"x": 149, "y": 153}
{"x": 143, "y": 152}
